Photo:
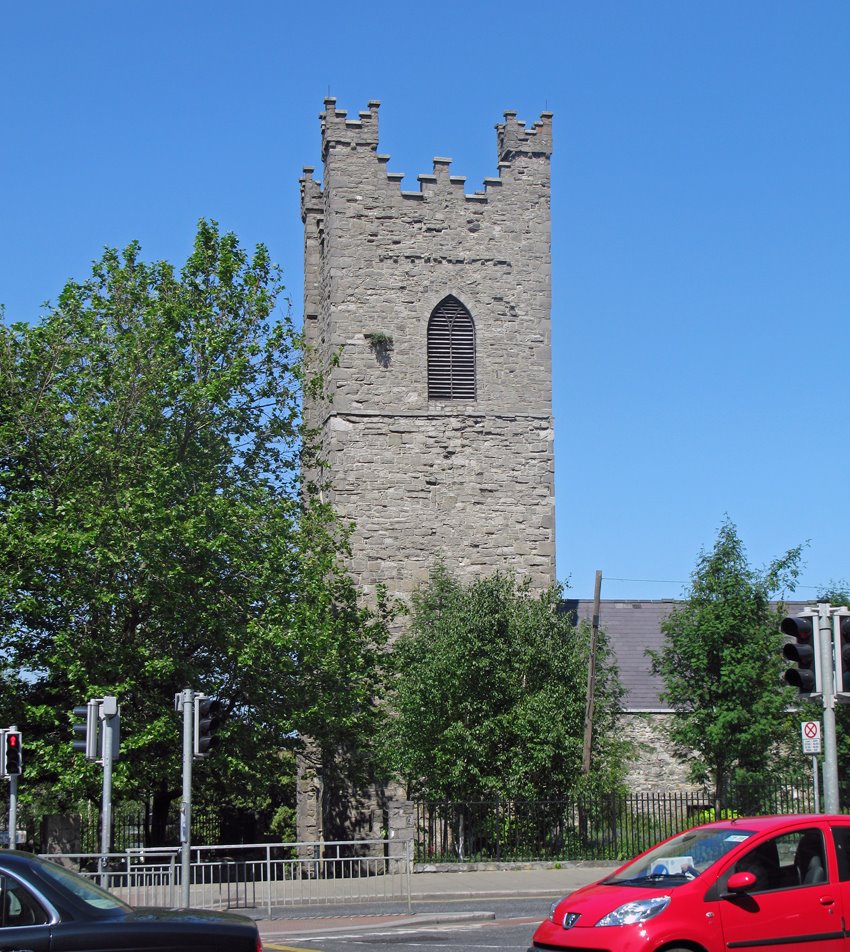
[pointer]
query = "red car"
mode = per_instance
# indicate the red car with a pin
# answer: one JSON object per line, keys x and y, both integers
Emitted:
{"x": 749, "y": 883}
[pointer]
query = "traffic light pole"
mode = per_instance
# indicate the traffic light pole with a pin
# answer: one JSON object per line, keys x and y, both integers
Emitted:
{"x": 13, "y": 806}
{"x": 187, "y": 703}
{"x": 108, "y": 714}
{"x": 830, "y": 745}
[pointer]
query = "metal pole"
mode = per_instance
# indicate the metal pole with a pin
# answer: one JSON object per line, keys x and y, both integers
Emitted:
{"x": 830, "y": 746}
{"x": 108, "y": 711}
{"x": 13, "y": 804}
{"x": 816, "y": 781}
{"x": 187, "y": 701}
{"x": 408, "y": 866}
{"x": 269, "y": 881}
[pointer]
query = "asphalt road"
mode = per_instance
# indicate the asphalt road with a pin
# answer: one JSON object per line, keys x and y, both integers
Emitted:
{"x": 484, "y": 925}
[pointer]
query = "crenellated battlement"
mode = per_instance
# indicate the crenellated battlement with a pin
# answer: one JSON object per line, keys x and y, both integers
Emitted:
{"x": 311, "y": 194}
{"x": 514, "y": 137}
{"x": 338, "y": 129}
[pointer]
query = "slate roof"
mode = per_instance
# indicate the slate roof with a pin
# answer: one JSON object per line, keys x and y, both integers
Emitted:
{"x": 632, "y": 628}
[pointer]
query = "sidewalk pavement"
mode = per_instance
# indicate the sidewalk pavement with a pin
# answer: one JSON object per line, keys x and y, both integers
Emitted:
{"x": 545, "y": 882}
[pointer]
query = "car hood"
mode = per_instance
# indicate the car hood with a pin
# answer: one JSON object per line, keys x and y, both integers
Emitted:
{"x": 591, "y": 903}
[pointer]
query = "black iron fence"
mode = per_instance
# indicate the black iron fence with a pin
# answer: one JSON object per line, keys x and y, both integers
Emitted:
{"x": 80, "y": 831}
{"x": 608, "y": 827}
{"x": 131, "y": 829}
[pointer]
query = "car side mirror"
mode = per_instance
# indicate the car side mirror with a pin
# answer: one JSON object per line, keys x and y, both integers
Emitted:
{"x": 740, "y": 882}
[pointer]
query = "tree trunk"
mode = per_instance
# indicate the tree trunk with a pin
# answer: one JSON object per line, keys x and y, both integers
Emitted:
{"x": 157, "y": 830}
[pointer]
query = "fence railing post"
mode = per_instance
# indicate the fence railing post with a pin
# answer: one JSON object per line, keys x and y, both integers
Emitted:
{"x": 269, "y": 880}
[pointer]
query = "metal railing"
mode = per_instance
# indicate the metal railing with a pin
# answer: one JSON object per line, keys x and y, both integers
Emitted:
{"x": 612, "y": 827}
{"x": 265, "y": 876}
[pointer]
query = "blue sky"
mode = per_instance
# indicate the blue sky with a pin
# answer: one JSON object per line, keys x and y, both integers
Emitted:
{"x": 700, "y": 206}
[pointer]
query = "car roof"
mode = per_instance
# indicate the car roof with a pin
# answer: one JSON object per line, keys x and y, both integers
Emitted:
{"x": 12, "y": 858}
{"x": 767, "y": 823}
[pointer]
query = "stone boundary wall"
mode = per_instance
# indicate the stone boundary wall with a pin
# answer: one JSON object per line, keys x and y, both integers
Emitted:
{"x": 654, "y": 768}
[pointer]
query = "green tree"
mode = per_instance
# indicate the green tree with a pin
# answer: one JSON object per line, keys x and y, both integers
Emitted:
{"x": 488, "y": 694}
{"x": 154, "y": 536}
{"x": 721, "y": 663}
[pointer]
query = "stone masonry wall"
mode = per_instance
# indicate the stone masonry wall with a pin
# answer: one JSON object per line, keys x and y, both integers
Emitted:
{"x": 654, "y": 768}
{"x": 472, "y": 481}
{"x": 459, "y": 498}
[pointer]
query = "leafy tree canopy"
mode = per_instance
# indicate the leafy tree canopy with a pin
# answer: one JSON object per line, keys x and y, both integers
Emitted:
{"x": 488, "y": 694}
{"x": 722, "y": 665}
{"x": 153, "y": 534}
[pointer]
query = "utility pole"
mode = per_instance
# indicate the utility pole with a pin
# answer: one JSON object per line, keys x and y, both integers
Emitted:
{"x": 591, "y": 676}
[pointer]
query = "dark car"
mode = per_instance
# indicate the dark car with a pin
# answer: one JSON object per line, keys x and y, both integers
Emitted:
{"x": 47, "y": 908}
{"x": 748, "y": 883}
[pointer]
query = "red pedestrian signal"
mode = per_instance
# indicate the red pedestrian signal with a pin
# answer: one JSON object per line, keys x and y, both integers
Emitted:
{"x": 12, "y": 754}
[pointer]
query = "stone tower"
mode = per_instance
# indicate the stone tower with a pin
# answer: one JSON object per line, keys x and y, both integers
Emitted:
{"x": 438, "y": 434}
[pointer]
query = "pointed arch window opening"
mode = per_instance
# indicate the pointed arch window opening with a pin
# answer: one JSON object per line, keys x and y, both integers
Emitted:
{"x": 451, "y": 352}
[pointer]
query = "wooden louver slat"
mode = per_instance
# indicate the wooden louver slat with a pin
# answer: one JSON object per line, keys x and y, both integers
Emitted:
{"x": 451, "y": 352}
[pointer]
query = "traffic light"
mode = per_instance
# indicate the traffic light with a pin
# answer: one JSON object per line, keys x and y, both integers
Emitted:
{"x": 804, "y": 651}
{"x": 88, "y": 729}
{"x": 207, "y": 722}
{"x": 841, "y": 652}
{"x": 12, "y": 754}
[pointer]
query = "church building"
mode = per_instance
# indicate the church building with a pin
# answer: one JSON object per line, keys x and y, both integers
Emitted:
{"x": 429, "y": 311}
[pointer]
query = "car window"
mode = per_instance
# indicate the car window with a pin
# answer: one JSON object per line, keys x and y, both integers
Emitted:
{"x": 841, "y": 838}
{"x": 786, "y": 861}
{"x": 18, "y": 907}
{"x": 81, "y": 887}
{"x": 682, "y": 858}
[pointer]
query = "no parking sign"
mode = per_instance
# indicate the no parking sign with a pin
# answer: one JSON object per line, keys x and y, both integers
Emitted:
{"x": 811, "y": 737}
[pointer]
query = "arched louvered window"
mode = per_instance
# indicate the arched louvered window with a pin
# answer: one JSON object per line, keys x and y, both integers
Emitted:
{"x": 451, "y": 352}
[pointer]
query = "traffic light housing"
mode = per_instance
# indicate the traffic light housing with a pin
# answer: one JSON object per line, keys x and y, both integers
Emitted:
{"x": 207, "y": 722}
{"x": 12, "y": 754}
{"x": 841, "y": 652}
{"x": 87, "y": 730}
{"x": 804, "y": 651}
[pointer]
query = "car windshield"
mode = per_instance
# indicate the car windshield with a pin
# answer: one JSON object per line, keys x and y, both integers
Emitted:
{"x": 82, "y": 888}
{"x": 683, "y": 858}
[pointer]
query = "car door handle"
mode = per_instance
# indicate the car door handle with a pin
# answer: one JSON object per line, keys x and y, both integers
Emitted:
{"x": 826, "y": 900}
